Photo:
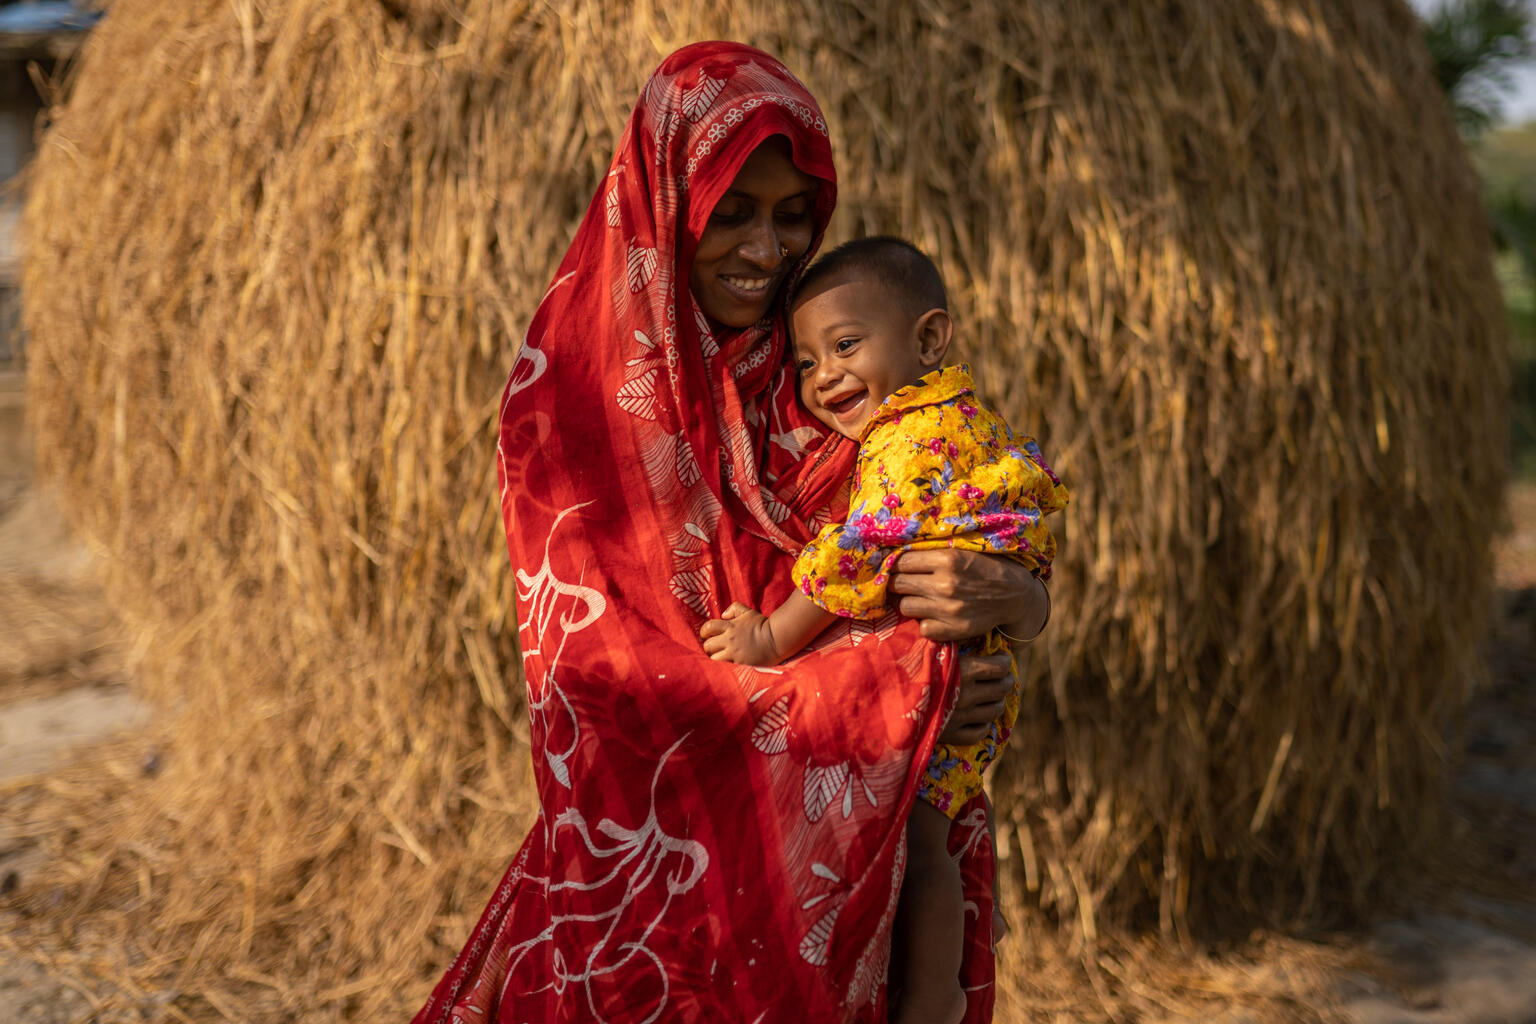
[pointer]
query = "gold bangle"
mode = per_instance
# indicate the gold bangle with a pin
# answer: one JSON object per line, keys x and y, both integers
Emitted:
{"x": 1043, "y": 623}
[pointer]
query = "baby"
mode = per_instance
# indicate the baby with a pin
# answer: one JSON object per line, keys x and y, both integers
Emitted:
{"x": 870, "y": 328}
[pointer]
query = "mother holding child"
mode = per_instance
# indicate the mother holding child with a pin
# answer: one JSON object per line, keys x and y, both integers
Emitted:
{"x": 733, "y": 831}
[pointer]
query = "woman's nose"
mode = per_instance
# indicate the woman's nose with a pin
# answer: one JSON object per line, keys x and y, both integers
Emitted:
{"x": 762, "y": 247}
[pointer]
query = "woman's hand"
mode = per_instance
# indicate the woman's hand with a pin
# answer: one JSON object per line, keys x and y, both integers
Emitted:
{"x": 984, "y": 684}
{"x": 960, "y": 594}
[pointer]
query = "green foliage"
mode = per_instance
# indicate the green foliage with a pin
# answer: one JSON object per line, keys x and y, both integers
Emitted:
{"x": 1506, "y": 160}
{"x": 1475, "y": 44}
{"x": 1520, "y": 300}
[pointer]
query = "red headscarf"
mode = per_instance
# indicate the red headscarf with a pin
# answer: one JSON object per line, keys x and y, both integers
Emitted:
{"x": 716, "y": 843}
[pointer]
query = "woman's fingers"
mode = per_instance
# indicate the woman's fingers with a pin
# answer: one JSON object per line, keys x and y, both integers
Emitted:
{"x": 941, "y": 619}
{"x": 987, "y": 670}
{"x": 950, "y": 627}
{"x": 929, "y": 574}
{"x": 981, "y": 702}
{"x": 922, "y": 562}
{"x": 950, "y": 590}
{"x": 980, "y": 713}
{"x": 927, "y": 606}
{"x": 963, "y": 735}
{"x": 984, "y": 685}
{"x": 958, "y": 594}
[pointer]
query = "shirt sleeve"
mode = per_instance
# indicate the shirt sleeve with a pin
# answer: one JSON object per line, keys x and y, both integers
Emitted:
{"x": 901, "y": 472}
{"x": 1041, "y": 493}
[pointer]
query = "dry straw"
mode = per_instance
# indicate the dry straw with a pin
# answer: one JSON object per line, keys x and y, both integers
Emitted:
{"x": 1224, "y": 256}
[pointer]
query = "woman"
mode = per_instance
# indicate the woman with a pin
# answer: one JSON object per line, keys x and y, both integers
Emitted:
{"x": 715, "y": 843}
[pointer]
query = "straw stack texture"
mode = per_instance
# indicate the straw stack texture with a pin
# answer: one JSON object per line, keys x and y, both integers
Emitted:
{"x": 1224, "y": 257}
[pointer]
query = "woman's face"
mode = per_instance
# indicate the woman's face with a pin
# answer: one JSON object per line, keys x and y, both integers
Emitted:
{"x": 755, "y": 233}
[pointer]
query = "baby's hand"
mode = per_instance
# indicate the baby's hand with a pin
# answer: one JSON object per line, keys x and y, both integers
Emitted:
{"x": 741, "y": 636}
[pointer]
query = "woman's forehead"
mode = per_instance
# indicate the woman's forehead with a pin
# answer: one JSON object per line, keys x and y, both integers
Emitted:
{"x": 769, "y": 172}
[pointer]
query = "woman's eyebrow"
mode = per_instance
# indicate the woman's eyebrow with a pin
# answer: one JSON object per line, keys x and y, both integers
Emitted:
{"x": 808, "y": 193}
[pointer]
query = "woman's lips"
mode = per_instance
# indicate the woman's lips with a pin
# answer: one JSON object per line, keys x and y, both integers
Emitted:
{"x": 745, "y": 288}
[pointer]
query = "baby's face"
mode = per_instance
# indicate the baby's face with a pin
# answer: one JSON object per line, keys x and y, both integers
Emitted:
{"x": 854, "y": 344}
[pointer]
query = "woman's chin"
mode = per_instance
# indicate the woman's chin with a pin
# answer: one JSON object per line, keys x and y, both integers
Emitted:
{"x": 728, "y": 309}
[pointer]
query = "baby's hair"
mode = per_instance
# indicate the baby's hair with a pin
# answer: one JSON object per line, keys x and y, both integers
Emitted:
{"x": 894, "y": 262}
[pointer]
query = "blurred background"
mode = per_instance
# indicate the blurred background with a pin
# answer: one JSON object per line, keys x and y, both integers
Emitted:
{"x": 261, "y": 742}
{"x": 1483, "y": 59}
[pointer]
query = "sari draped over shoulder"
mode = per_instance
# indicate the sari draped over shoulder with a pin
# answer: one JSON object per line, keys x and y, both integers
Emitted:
{"x": 715, "y": 842}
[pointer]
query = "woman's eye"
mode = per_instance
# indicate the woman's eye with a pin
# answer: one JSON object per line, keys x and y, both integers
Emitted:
{"x": 727, "y": 215}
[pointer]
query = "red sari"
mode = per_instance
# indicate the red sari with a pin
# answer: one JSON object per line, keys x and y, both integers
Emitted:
{"x": 716, "y": 842}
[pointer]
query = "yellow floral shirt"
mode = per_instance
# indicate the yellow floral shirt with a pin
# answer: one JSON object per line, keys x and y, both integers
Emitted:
{"x": 935, "y": 469}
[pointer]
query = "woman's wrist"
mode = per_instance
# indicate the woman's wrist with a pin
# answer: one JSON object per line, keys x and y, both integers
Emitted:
{"x": 1027, "y": 626}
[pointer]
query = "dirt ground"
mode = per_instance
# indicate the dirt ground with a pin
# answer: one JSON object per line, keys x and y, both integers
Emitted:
{"x": 1468, "y": 957}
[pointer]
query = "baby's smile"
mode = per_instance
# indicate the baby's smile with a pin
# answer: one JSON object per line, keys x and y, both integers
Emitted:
{"x": 845, "y": 408}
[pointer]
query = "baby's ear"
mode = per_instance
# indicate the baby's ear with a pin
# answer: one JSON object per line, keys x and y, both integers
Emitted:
{"x": 934, "y": 331}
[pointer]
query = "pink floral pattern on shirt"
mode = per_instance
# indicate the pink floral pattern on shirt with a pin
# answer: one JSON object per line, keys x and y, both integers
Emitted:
{"x": 935, "y": 469}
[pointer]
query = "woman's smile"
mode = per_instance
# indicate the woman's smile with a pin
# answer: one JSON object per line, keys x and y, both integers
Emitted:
{"x": 750, "y": 289}
{"x": 754, "y": 235}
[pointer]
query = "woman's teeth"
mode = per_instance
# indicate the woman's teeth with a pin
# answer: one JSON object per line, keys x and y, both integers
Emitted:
{"x": 750, "y": 285}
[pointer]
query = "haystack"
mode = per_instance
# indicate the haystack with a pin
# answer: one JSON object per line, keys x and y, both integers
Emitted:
{"x": 1224, "y": 257}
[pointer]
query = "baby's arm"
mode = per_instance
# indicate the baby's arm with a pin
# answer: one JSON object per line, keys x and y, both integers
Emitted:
{"x": 748, "y": 637}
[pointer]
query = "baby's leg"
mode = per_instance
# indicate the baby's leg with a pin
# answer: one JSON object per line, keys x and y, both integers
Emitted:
{"x": 932, "y": 924}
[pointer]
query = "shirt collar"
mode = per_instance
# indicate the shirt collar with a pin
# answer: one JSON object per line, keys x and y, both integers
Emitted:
{"x": 941, "y": 385}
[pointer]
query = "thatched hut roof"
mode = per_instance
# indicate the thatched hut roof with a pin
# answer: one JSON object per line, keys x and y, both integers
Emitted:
{"x": 1224, "y": 257}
